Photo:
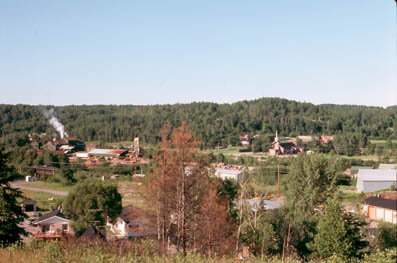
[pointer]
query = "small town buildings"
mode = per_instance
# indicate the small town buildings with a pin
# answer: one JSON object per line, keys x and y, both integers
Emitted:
{"x": 233, "y": 174}
{"x": 132, "y": 222}
{"x": 372, "y": 180}
{"x": 67, "y": 145}
{"x": 44, "y": 170}
{"x": 378, "y": 208}
{"x": 283, "y": 148}
{"x": 52, "y": 226}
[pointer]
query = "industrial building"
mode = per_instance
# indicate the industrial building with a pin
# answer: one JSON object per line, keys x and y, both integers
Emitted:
{"x": 372, "y": 180}
{"x": 108, "y": 153}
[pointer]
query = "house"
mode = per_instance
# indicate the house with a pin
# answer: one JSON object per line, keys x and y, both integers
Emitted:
{"x": 244, "y": 139}
{"x": 378, "y": 208}
{"x": 132, "y": 222}
{"x": 52, "y": 226}
{"x": 233, "y": 174}
{"x": 284, "y": 148}
{"x": 372, "y": 180}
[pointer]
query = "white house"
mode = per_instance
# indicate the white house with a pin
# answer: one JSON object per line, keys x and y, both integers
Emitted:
{"x": 229, "y": 174}
{"x": 372, "y": 180}
{"x": 130, "y": 223}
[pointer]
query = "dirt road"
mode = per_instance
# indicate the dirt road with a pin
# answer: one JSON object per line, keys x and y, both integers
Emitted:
{"x": 22, "y": 185}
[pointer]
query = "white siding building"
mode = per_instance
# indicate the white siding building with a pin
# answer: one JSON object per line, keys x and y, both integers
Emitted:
{"x": 372, "y": 180}
{"x": 229, "y": 174}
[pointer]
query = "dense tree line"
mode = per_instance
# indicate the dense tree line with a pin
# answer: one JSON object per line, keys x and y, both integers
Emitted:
{"x": 213, "y": 123}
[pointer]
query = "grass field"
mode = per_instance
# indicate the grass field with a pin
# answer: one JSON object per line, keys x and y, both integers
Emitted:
{"x": 382, "y": 141}
{"x": 42, "y": 199}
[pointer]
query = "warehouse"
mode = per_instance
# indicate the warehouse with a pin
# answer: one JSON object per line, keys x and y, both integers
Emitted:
{"x": 372, "y": 180}
{"x": 107, "y": 153}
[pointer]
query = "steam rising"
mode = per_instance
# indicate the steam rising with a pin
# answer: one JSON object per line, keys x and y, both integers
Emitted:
{"x": 50, "y": 115}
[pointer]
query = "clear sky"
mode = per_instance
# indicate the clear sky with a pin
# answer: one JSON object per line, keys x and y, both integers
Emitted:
{"x": 155, "y": 52}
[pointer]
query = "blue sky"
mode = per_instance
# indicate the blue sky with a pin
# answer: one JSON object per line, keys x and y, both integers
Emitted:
{"x": 156, "y": 52}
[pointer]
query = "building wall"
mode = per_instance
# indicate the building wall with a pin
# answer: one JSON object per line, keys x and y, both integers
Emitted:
{"x": 381, "y": 214}
{"x": 373, "y": 186}
{"x": 54, "y": 228}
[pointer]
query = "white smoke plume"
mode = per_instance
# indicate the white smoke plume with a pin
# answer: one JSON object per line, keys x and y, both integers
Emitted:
{"x": 50, "y": 114}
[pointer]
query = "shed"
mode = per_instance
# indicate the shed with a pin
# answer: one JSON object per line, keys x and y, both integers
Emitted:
{"x": 29, "y": 205}
{"x": 372, "y": 180}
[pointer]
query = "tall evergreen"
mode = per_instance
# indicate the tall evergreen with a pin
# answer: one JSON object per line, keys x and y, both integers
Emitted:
{"x": 10, "y": 210}
{"x": 338, "y": 233}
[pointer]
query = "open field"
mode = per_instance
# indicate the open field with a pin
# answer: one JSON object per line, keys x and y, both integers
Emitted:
{"x": 226, "y": 151}
{"x": 42, "y": 199}
{"x": 131, "y": 192}
{"x": 382, "y": 141}
{"x": 47, "y": 185}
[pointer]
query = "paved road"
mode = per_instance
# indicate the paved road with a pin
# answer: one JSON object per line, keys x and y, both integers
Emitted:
{"x": 22, "y": 185}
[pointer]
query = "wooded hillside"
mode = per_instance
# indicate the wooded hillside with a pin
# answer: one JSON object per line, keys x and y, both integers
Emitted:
{"x": 213, "y": 123}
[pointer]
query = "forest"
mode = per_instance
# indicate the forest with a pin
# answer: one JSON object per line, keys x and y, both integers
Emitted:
{"x": 214, "y": 124}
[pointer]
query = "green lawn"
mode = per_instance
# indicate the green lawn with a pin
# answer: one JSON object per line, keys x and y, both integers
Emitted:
{"x": 382, "y": 141}
{"x": 42, "y": 199}
{"x": 227, "y": 151}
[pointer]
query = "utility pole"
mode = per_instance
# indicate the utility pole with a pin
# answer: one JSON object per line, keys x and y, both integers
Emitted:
{"x": 278, "y": 177}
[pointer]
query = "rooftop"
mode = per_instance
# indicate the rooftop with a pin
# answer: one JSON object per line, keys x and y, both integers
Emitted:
{"x": 377, "y": 175}
{"x": 228, "y": 171}
{"x": 381, "y": 202}
{"x": 106, "y": 152}
{"x": 57, "y": 213}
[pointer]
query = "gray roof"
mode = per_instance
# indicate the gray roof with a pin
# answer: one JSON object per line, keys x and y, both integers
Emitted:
{"x": 228, "y": 171}
{"x": 377, "y": 175}
{"x": 267, "y": 204}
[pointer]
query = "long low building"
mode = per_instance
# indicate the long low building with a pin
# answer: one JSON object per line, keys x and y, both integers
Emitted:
{"x": 229, "y": 174}
{"x": 372, "y": 180}
{"x": 107, "y": 153}
{"x": 378, "y": 208}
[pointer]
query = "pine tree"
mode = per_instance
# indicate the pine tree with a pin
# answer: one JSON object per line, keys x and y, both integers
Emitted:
{"x": 10, "y": 210}
{"x": 338, "y": 233}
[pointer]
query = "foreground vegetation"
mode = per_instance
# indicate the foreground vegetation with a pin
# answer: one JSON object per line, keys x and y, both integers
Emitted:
{"x": 58, "y": 252}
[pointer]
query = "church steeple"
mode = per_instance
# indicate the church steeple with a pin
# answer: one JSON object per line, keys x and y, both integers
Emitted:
{"x": 276, "y": 139}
